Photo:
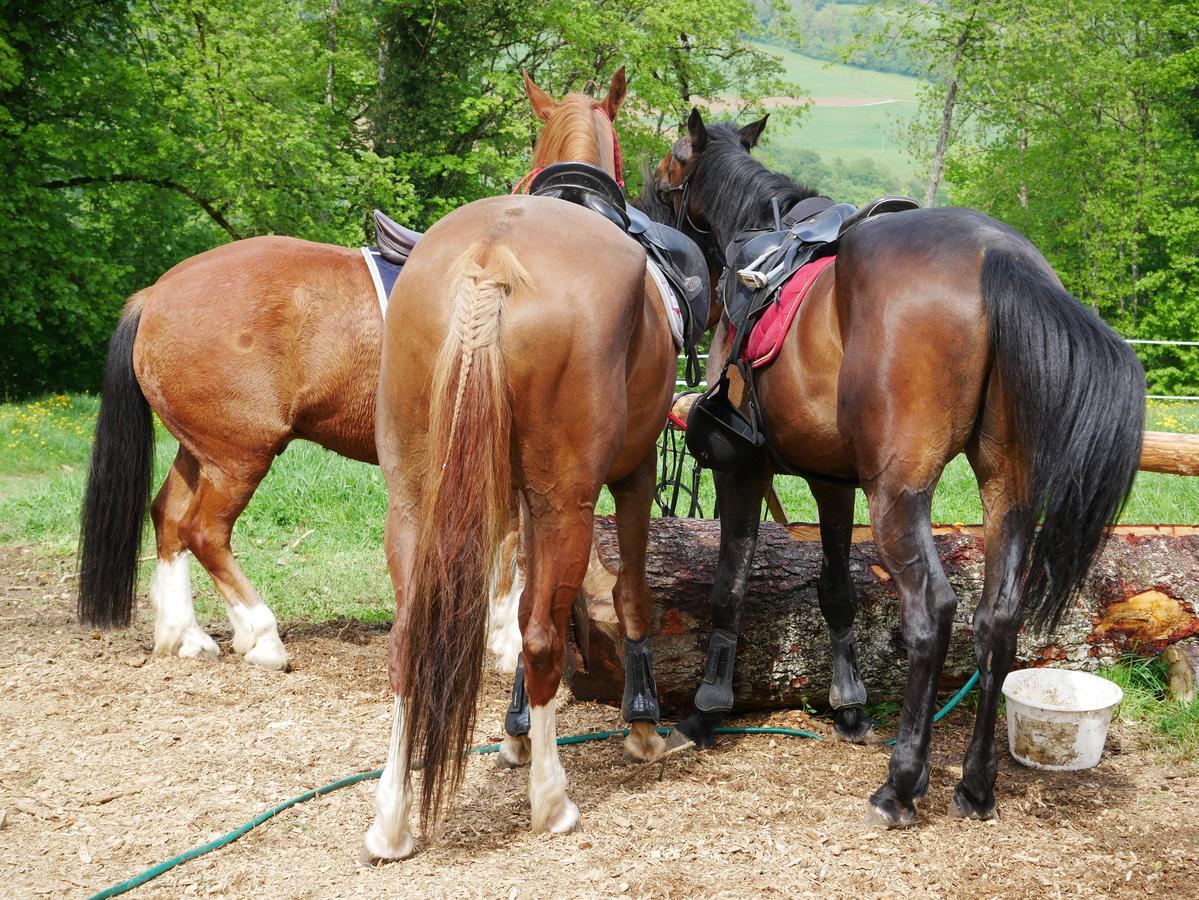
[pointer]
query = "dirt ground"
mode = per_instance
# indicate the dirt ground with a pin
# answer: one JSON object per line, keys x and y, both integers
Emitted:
{"x": 112, "y": 760}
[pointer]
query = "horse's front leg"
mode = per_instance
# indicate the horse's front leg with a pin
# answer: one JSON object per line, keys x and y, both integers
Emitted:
{"x": 739, "y": 495}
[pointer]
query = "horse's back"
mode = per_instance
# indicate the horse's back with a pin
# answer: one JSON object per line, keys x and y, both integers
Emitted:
{"x": 261, "y": 340}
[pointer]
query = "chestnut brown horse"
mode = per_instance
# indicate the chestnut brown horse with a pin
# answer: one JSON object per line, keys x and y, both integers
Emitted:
{"x": 935, "y": 332}
{"x": 526, "y": 359}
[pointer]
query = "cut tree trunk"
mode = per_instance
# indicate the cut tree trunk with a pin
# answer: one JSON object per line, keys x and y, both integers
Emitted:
{"x": 1141, "y": 596}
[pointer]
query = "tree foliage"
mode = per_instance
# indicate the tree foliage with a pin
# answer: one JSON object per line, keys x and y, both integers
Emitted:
{"x": 1076, "y": 123}
{"x": 137, "y": 133}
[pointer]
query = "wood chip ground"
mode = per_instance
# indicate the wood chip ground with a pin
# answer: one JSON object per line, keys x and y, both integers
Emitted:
{"x": 112, "y": 759}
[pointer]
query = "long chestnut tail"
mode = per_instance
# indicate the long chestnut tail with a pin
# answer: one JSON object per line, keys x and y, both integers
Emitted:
{"x": 463, "y": 515}
{"x": 1078, "y": 393}
{"x": 118, "y": 487}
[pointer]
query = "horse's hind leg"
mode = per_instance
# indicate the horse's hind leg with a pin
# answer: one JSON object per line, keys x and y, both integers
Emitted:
{"x": 176, "y": 632}
{"x": 838, "y": 604}
{"x": 1007, "y": 530}
{"x": 220, "y": 497}
{"x": 559, "y": 548}
{"x": 389, "y": 836}
{"x": 633, "y": 496}
{"x": 900, "y": 513}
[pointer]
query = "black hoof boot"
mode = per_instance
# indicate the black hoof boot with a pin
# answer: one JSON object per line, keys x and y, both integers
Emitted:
{"x": 698, "y": 729}
{"x": 852, "y": 725}
{"x": 967, "y": 806}
{"x": 886, "y": 810}
{"x": 517, "y": 720}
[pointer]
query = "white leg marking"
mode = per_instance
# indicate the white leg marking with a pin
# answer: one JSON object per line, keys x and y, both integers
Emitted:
{"x": 503, "y": 625}
{"x": 256, "y": 635}
{"x": 552, "y": 810}
{"x": 515, "y": 752}
{"x": 388, "y": 836}
{"x": 175, "y": 630}
{"x": 643, "y": 743}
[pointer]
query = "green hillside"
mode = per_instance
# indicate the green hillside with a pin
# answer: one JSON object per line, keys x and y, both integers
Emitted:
{"x": 866, "y": 139}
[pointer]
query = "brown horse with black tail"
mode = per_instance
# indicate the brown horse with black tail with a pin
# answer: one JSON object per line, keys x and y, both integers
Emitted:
{"x": 527, "y": 360}
{"x": 935, "y": 332}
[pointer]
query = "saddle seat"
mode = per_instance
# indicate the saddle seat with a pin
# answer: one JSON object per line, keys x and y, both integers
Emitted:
{"x": 394, "y": 241}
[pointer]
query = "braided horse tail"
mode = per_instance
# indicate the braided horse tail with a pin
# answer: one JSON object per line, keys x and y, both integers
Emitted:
{"x": 463, "y": 515}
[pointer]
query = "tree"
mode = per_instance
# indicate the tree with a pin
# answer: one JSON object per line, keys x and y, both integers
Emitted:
{"x": 1074, "y": 123}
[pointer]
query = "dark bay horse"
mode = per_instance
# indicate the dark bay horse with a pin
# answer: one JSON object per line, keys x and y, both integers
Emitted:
{"x": 935, "y": 332}
{"x": 527, "y": 360}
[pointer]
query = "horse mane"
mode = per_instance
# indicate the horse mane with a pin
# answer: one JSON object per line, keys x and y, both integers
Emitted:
{"x": 569, "y": 134}
{"x": 735, "y": 188}
{"x": 650, "y": 202}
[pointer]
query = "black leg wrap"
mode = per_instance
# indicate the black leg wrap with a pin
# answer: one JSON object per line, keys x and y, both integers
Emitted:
{"x": 516, "y": 722}
{"x": 715, "y": 693}
{"x": 847, "y": 688}
{"x": 640, "y": 702}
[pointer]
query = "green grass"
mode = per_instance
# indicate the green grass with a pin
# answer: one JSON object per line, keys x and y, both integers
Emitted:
{"x": 335, "y": 508}
{"x": 1175, "y": 724}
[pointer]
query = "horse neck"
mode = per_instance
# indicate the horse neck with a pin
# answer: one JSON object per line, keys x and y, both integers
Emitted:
{"x": 569, "y": 135}
{"x": 741, "y": 199}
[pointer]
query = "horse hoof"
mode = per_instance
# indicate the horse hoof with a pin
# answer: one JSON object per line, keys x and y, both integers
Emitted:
{"x": 853, "y": 726}
{"x": 644, "y": 744}
{"x": 268, "y": 652}
{"x": 563, "y": 821}
{"x": 515, "y": 752}
{"x": 196, "y": 644}
{"x": 698, "y": 729}
{"x": 885, "y": 810}
{"x": 965, "y": 807}
{"x": 376, "y": 850}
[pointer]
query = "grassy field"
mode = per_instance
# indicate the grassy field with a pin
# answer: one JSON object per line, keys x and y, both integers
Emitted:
{"x": 334, "y": 508}
{"x": 850, "y": 132}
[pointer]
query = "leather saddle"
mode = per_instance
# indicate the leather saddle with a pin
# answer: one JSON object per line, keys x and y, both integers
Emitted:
{"x": 761, "y": 262}
{"x": 394, "y": 241}
{"x": 680, "y": 258}
{"x": 719, "y": 434}
{"x": 586, "y": 185}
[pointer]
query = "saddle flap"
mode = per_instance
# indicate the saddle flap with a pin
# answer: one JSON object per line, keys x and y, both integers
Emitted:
{"x": 395, "y": 241}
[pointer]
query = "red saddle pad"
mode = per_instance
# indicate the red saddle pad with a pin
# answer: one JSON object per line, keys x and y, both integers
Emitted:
{"x": 767, "y": 337}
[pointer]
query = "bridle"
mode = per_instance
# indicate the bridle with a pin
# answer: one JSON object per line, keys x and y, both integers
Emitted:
{"x": 522, "y": 186}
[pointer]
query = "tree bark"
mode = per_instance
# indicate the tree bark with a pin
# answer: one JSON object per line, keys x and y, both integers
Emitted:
{"x": 1142, "y": 596}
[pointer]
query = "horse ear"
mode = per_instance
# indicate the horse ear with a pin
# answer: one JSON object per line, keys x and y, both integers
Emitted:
{"x": 616, "y": 93}
{"x": 543, "y": 103}
{"x": 752, "y": 132}
{"x": 696, "y": 130}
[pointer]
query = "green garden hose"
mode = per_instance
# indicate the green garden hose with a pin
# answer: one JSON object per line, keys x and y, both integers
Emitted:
{"x": 167, "y": 865}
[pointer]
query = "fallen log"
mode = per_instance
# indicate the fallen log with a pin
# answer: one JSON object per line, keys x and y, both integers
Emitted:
{"x": 1142, "y": 596}
{"x": 1182, "y": 660}
{"x": 1174, "y": 454}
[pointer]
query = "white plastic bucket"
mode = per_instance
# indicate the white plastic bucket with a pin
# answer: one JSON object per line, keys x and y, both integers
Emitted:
{"x": 1057, "y": 719}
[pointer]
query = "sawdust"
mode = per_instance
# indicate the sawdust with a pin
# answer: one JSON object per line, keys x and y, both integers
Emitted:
{"x": 112, "y": 759}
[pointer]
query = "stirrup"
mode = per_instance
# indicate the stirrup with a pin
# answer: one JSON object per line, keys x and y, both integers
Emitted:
{"x": 715, "y": 693}
{"x": 752, "y": 277}
{"x": 517, "y": 721}
{"x": 640, "y": 703}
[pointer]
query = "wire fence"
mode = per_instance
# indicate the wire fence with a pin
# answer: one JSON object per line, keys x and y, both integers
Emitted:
{"x": 1192, "y": 397}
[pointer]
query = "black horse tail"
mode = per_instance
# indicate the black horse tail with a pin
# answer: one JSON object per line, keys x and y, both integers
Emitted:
{"x": 118, "y": 486}
{"x": 1078, "y": 394}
